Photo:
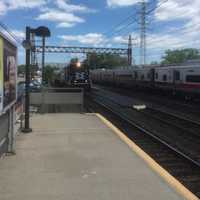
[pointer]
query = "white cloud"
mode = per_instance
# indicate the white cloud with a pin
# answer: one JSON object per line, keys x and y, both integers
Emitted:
{"x": 99, "y": 39}
{"x": 176, "y": 9}
{"x": 6, "y": 5}
{"x": 19, "y": 34}
{"x": 120, "y": 3}
{"x": 2, "y": 8}
{"x": 60, "y": 11}
{"x": 187, "y": 12}
{"x": 96, "y": 39}
{"x": 63, "y": 5}
{"x": 64, "y": 19}
{"x": 179, "y": 39}
{"x": 66, "y": 25}
{"x": 17, "y": 4}
{"x": 120, "y": 39}
{"x": 89, "y": 39}
{"x": 64, "y": 13}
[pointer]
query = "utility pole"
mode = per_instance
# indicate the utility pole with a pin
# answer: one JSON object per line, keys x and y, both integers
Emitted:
{"x": 130, "y": 50}
{"x": 143, "y": 33}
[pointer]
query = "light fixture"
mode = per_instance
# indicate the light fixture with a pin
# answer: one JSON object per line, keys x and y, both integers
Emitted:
{"x": 26, "y": 44}
{"x": 78, "y": 64}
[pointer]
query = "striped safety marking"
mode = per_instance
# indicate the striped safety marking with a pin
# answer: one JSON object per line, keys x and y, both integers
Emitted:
{"x": 173, "y": 182}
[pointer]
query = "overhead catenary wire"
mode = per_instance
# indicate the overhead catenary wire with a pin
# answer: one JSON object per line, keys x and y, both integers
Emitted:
{"x": 185, "y": 30}
{"x": 122, "y": 25}
{"x": 156, "y": 7}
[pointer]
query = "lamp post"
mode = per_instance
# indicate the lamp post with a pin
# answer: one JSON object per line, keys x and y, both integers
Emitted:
{"x": 40, "y": 32}
{"x": 27, "y": 45}
{"x": 43, "y": 32}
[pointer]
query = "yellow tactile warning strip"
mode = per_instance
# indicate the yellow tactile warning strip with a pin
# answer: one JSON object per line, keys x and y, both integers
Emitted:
{"x": 174, "y": 183}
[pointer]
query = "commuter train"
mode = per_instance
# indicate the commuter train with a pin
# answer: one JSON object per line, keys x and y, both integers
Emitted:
{"x": 183, "y": 79}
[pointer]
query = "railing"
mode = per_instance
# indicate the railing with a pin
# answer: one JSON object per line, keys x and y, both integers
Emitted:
{"x": 19, "y": 113}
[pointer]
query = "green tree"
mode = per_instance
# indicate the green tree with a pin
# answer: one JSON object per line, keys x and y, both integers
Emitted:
{"x": 105, "y": 60}
{"x": 49, "y": 73}
{"x": 22, "y": 68}
{"x": 180, "y": 56}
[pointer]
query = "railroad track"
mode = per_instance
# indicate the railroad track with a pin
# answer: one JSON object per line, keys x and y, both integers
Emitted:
{"x": 178, "y": 163}
{"x": 168, "y": 128}
{"x": 178, "y": 108}
{"x": 184, "y": 124}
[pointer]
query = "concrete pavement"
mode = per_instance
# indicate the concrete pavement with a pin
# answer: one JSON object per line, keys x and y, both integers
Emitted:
{"x": 77, "y": 157}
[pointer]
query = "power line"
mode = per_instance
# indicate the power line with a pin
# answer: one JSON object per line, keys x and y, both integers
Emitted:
{"x": 143, "y": 27}
{"x": 122, "y": 25}
{"x": 124, "y": 28}
{"x": 156, "y": 7}
{"x": 179, "y": 29}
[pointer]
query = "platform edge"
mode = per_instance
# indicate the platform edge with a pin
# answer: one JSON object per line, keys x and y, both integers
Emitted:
{"x": 173, "y": 182}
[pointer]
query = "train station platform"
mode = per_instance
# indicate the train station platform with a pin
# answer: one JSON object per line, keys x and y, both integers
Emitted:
{"x": 78, "y": 157}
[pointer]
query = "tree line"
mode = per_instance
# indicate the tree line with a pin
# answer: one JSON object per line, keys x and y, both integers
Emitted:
{"x": 179, "y": 56}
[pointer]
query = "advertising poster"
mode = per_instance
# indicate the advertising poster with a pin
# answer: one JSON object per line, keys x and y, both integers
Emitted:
{"x": 9, "y": 74}
{"x": 1, "y": 75}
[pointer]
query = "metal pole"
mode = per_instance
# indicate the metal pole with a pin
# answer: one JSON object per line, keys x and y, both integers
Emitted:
{"x": 27, "y": 128}
{"x": 43, "y": 75}
{"x": 130, "y": 51}
{"x": 43, "y": 59}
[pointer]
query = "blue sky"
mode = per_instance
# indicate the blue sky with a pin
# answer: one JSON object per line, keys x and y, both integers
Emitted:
{"x": 174, "y": 24}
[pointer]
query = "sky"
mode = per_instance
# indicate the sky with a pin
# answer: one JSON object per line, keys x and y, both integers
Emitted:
{"x": 105, "y": 23}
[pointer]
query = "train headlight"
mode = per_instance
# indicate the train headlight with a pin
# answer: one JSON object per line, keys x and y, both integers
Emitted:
{"x": 78, "y": 64}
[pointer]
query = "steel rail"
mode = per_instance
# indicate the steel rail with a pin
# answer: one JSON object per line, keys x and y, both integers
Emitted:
{"x": 147, "y": 132}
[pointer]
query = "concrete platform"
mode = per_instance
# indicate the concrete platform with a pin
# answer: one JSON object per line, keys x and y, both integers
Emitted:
{"x": 77, "y": 157}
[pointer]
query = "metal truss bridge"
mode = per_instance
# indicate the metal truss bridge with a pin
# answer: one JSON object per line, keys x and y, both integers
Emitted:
{"x": 85, "y": 50}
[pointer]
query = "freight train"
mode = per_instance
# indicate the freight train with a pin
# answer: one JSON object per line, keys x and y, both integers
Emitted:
{"x": 182, "y": 79}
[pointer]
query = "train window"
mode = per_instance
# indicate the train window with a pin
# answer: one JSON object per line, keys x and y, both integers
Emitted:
{"x": 165, "y": 77}
{"x": 193, "y": 78}
{"x": 156, "y": 75}
{"x": 177, "y": 75}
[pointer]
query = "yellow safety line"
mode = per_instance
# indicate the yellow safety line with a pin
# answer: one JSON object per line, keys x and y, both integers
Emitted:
{"x": 174, "y": 183}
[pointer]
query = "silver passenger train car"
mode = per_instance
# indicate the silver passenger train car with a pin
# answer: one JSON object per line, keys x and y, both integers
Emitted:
{"x": 183, "y": 78}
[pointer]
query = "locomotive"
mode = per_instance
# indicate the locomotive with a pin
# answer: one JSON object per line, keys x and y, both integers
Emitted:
{"x": 183, "y": 79}
{"x": 73, "y": 75}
